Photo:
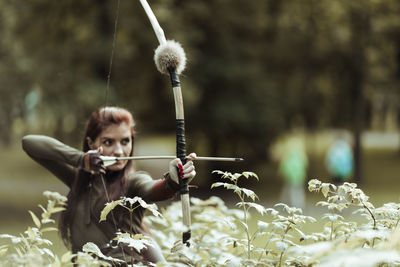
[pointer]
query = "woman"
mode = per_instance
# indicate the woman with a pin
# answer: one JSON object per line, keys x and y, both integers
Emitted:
{"x": 110, "y": 132}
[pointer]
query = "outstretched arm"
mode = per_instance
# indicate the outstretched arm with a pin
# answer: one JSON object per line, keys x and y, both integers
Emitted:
{"x": 142, "y": 185}
{"x": 55, "y": 156}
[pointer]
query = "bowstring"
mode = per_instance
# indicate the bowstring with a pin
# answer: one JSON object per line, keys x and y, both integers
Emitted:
{"x": 104, "y": 109}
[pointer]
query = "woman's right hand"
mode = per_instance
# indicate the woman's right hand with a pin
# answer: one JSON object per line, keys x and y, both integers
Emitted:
{"x": 186, "y": 171}
{"x": 91, "y": 162}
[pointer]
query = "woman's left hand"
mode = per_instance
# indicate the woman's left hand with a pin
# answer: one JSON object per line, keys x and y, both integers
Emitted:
{"x": 92, "y": 163}
{"x": 186, "y": 171}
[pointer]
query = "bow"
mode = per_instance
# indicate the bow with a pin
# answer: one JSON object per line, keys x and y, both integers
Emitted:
{"x": 170, "y": 59}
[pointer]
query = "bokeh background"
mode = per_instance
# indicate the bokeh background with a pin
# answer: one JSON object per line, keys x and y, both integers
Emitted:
{"x": 259, "y": 73}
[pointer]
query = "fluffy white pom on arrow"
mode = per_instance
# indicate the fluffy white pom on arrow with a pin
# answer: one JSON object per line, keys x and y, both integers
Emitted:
{"x": 170, "y": 55}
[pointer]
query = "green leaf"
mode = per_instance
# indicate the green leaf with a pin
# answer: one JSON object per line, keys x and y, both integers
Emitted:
{"x": 273, "y": 212}
{"x": 299, "y": 231}
{"x": 66, "y": 257}
{"x": 43, "y": 209}
{"x": 322, "y": 203}
{"x": 35, "y": 219}
{"x": 31, "y": 233}
{"x": 325, "y": 189}
{"x": 7, "y": 236}
{"x": 57, "y": 209}
{"x": 108, "y": 208}
{"x": 178, "y": 246}
{"x": 55, "y": 196}
{"x": 49, "y": 229}
{"x": 150, "y": 207}
{"x": 93, "y": 248}
{"x": 256, "y": 206}
{"x": 262, "y": 226}
{"x": 249, "y": 193}
{"x": 153, "y": 209}
{"x": 235, "y": 177}
{"x": 3, "y": 251}
{"x": 19, "y": 252}
{"x": 138, "y": 241}
{"x": 226, "y": 175}
{"x": 143, "y": 203}
{"x": 218, "y": 184}
{"x": 247, "y": 175}
{"x": 48, "y": 252}
{"x": 282, "y": 246}
{"x": 45, "y": 221}
{"x": 218, "y": 172}
{"x": 233, "y": 187}
{"x": 245, "y": 225}
{"x": 284, "y": 206}
{"x": 313, "y": 185}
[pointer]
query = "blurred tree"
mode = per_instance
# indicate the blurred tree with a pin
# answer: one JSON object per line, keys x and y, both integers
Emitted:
{"x": 226, "y": 43}
{"x": 14, "y": 76}
{"x": 255, "y": 68}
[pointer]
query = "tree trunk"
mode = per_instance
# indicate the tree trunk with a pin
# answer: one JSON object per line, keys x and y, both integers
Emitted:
{"x": 360, "y": 24}
{"x": 357, "y": 133}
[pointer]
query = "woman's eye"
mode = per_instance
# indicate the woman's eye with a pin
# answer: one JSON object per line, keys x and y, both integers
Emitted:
{"x": 107, "y": 142}
{"x": 125, "y": 141}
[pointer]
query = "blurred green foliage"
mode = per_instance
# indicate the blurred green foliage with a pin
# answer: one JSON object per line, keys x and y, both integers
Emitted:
{"x": 255, "y": 68}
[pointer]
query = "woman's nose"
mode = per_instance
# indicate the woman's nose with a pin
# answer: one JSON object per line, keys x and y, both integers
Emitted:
{"x": 118, "y": 150}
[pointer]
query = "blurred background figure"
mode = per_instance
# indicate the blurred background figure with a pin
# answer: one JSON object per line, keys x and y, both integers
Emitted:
{"x": 293, "y": 167}
{"x": 339, "y": 161}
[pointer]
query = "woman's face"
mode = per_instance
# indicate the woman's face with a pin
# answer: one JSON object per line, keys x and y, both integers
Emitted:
{"x": 116, "y": 140}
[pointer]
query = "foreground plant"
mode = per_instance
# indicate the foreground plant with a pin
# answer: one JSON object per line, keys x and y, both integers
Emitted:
{"x": 225, "y": 236}
{"x": 134, "y": 241}
{"x": 31, "y": 248}
{"x": 348, "y": 195}
{"x": 364, "y": 244}
{"x": 243, "y": 194}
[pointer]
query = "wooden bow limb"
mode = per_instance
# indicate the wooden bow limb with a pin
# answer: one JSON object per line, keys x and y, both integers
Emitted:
{"x": 154, "y": 23}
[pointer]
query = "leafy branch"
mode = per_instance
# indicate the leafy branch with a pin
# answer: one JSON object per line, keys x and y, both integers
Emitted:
{"x": 242, "y": 193}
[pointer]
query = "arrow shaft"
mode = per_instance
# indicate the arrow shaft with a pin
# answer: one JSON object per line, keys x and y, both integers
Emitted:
{"x": 169, "y": 157}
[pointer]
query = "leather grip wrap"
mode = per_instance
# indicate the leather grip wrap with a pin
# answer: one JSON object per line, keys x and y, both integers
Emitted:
{"x": 181, "y": 153}
{"x": 174, "y": 78}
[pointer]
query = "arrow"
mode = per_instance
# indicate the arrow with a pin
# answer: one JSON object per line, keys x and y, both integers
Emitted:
{"x": 110, "y": 160}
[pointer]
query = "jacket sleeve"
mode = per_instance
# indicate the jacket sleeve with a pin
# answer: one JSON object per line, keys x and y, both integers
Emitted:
{"x": 142, "y": 185}
{"x": 55, "y": 156}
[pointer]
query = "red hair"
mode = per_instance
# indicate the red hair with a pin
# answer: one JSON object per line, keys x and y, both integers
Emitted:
{"x": 98, "y": 121}
{"x": 104, "y": 117}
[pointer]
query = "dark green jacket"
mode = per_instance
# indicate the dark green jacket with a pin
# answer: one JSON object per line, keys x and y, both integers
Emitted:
{"x": 63, "y": 161}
